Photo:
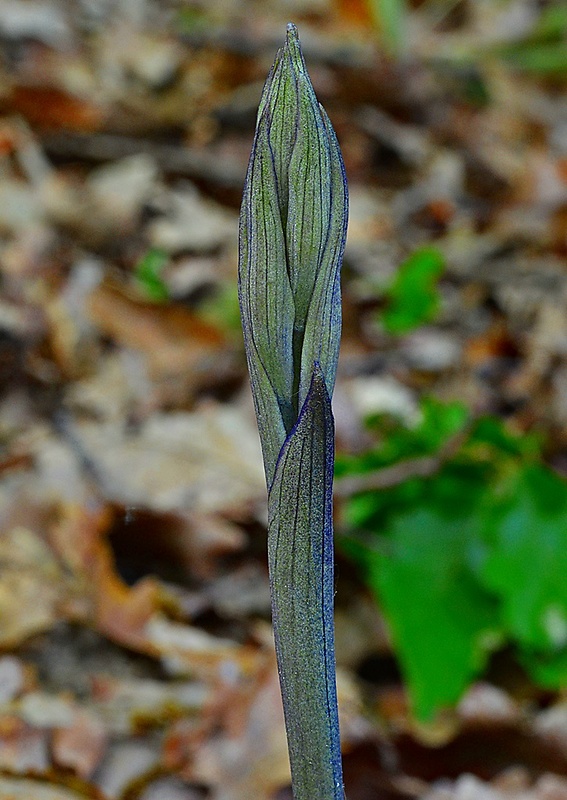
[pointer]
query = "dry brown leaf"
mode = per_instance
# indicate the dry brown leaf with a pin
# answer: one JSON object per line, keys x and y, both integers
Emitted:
{"x": 131, "y": 615}
{"x": 206, "y": 462}
{"x": 183, "y": 543}
{"x": 129, "y": 706}
{"x": 125, "y": 764}
{"x": 32, "y": 586}
{"x": 12, "y": 678}
{"x": 27, "y": 789}
{"x": 484, "y": 704}
{"x": 356, "y": 13}
{"x": 23, "y": 748}
{"x": 70, "y": 575}
{"x": 52, "y": 108}
{"x": 238, "y": 744}
{"x": 183, "y": 353}
{"x": 188, "y": 650}
{"x": 511, "y": 785}
{"x": 118, "y": 611}
{"x": 240, "y": 747}
{"x": 81, "y": 745}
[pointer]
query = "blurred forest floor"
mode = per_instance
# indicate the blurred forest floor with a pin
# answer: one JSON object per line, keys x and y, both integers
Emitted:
{"x": 136, "y": 653}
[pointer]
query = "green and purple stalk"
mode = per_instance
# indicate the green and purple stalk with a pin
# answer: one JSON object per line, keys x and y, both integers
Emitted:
{"x": 292, "y": 235}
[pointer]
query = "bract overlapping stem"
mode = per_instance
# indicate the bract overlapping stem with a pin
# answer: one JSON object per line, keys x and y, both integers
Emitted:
{"x": 292, "y": 233}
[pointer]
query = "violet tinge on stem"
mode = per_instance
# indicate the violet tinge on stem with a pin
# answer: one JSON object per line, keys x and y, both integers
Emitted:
{"x": 292, "y": 233}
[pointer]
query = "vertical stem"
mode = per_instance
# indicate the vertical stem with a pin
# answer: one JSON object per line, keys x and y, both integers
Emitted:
{"x": 301, "y": 561}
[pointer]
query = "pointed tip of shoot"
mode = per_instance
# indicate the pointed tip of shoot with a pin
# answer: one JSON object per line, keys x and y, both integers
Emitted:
{"x": 293, "y": 48}
{"x": 292, "y": 37}
{"x": 292, "y": 230}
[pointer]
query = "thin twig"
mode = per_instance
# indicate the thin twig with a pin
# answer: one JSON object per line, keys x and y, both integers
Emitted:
{"x": 386, "y": 477}
{"x": 171, "y": 158}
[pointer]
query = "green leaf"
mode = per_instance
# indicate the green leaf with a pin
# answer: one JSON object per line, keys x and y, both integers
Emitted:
{"x": 301, "y": 561}
{"x": 544, "y": 50}
{"x": 413, "y": 298}
{"x": 469, "y": 558}
{"x": 397, "y": 443}
{"x": 548, "y": 670}
{"x": 544, "y": 59}
{"x": 552, "y": 23}
{"x": 397, "y": 440}
{"x": 492, "y": 432}
{"x": 442, "y": 620}
{"x": 526, "y": 564}
{"x": 148, "y": 272}
{"x": 193, "y": 21}
{"x": 422, "y": 545}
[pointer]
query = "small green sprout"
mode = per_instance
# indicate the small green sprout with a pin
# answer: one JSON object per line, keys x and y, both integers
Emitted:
{"x": 148, "y": 274}
{"x": 413, "y": 297}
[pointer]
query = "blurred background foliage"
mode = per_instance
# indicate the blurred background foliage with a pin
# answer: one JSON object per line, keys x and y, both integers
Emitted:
{"x": 469, "y": 557}
{"x": 132, "y": 498}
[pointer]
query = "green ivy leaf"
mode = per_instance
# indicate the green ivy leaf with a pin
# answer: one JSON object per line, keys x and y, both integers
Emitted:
{"x": 526, "y": 563}
{"x": 396, "y": 440}
{"x": 491, "y": 432}
{"x": 442, "y": 620}
{"x": 432, "y": 550}
{"x": 547, "y": 670}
